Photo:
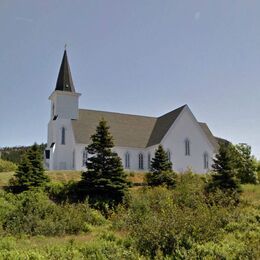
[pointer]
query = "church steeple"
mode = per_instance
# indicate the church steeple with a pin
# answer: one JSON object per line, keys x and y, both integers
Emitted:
{"x": 64, "y": 81}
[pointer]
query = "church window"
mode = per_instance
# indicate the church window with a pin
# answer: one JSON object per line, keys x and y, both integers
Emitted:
{"x": 127, "y": 160}
{"x": 73, "y": 159}
{"x": 187, "y": 147}
{"x": 47, "y": 154}
{"x": 206, "y": 160}
{"x": 169, "y": 155}
{"x": 85, "y": 157}
{"x": 63, "y": 135}
{"x": 149, "y": 161}
{"x": 141, "y": 161}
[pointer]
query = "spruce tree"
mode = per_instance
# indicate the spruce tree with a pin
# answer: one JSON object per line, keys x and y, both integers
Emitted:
{"x": 105, "y": 178}
{"x": 161, "y": 172}
{"x": 224, "y": 176}
{"x": 30, "y": 172}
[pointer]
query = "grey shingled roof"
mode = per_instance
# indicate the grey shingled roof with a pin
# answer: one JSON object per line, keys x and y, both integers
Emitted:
{"x": 64, "y": 81}
{"x": 129, "y": 130}
{"x": 162, "y": 125}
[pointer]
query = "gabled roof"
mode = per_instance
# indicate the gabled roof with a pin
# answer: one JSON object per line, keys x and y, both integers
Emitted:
{"x": 130, "y": 130}
{"x": 127, "y": 130}
{"x": 210, "y": 136}
{"x": 64, "y": 81}
{"x": 162, "y": 125}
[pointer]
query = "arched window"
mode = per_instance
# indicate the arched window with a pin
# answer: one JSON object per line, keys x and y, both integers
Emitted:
{"x": 127, "y": 160}
{"x": 85, "y": 157}
{"x": 169, "y": 155}
{"x": 63, "y": 130}
{"x": 206, "y": 160}
{"x": 187, "y": 147}
{"x": 141, "y": 161}
{"x": 149, "y": 161}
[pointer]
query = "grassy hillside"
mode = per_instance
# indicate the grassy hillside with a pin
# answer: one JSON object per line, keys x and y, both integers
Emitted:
{"x": 65, "y": 176}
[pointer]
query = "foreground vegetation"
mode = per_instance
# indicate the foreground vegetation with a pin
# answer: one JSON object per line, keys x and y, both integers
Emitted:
{"x": 157, "y": 222}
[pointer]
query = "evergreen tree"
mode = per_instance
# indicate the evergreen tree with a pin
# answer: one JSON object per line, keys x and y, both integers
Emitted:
{"x": 246, "y": 164}
{"x": 161, "y": 172}
{"x": 30, "y": 172}
{"x": 224, "y": 175}
{"x": 105, "y": 178}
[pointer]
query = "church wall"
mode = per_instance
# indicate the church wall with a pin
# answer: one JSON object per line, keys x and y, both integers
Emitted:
{"x": 186, "y": 127}
{"x": 62, "y": 154}
{"x": 121, "y": 151}
{"x": 67, "y": 106}
{"x": 134, "y": 157}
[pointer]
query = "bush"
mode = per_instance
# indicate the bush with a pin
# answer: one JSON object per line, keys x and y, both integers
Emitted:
{"x": 171, "y": 221}
{"x": 98, "y": 249}
{"x": 6, "y": 166}
{"x": 32, "y": 213}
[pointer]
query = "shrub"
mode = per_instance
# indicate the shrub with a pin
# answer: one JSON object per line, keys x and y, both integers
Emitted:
{"x": 33, "y": 213}
{"x": 171, "y": 221}
{"x": 6, "y": 166}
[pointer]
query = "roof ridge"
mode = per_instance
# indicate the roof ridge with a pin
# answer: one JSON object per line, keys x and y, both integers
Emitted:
{"x": 118, "y": 113}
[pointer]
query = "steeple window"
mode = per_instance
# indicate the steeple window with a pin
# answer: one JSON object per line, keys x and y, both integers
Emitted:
{"x": 63, "y": 135}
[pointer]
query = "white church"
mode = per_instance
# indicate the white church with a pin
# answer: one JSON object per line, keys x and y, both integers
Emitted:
{"x": 189, "y": 143}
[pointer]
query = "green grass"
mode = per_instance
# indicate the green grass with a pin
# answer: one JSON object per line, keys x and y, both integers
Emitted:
{"x": 65, "y": 176}
{"x": 32, "y": 242}
{"x": 251, "y": 194}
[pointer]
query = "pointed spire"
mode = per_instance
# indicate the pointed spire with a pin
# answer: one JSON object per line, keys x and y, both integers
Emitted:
{"x": 64, "y": 81}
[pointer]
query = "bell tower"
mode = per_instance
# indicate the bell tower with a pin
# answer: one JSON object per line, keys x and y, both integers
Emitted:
{"x": 64, "y": 99}
{"x": 60, "y": 151}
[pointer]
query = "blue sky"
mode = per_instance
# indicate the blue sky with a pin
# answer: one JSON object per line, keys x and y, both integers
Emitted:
{"x": 133, "y": 56}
